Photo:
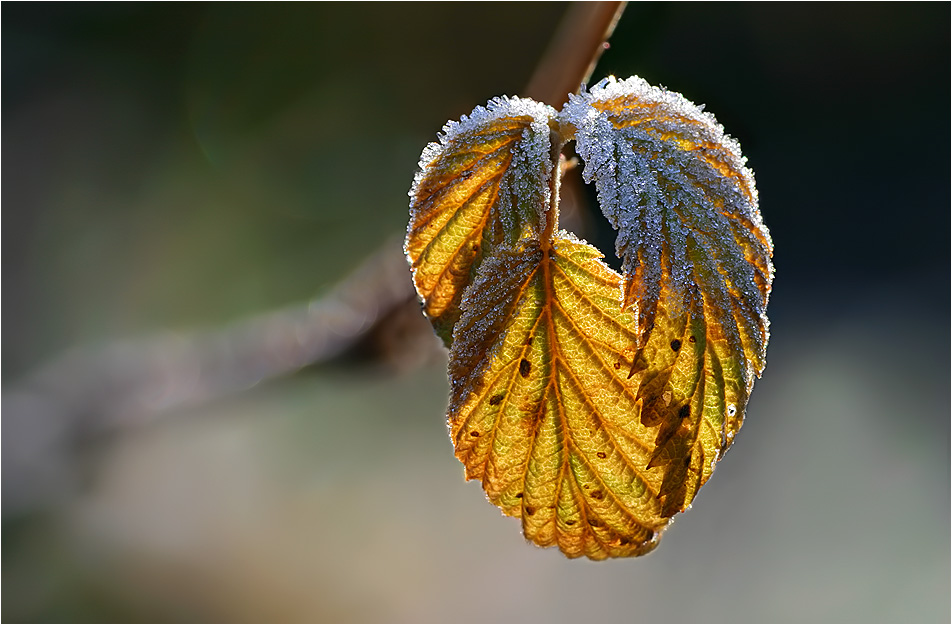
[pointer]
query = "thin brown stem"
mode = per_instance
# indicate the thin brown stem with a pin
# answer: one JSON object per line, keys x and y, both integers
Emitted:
{"x": 574, "y": 50}
{"x": 119, "y": 384}
{"x": 569, "y": 60}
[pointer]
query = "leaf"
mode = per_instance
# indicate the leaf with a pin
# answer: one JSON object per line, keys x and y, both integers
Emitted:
{"x": 677, "y": 189}
{"x": 593, "y": 405}
{"x": 485, "y": 183}
{"x": 691, "y": 239}
{"x": 542, "y": 410}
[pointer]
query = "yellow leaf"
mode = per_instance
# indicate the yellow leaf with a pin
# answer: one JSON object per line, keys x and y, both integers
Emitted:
{"x": 485, "y": 183}
{"x": 543, "y": 411}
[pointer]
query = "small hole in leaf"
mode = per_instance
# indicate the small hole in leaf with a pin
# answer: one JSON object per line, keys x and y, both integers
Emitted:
{"x": 601, "y": 454}
{"x": 691, "y": 339}
{"x": 617, "y": 365}
{"x": 731, "y": 410}
{"x": 474, "y": 434}
{"x": 525, "y": 367}
{"x": 518, "y": 495}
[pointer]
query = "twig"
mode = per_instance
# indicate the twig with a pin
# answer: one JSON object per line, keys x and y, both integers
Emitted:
{"x": 585, "y": 26}
{"x": 95, "y": 389}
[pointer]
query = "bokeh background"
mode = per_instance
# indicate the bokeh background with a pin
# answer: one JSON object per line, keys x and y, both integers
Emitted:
{"x": 174, "y": 169}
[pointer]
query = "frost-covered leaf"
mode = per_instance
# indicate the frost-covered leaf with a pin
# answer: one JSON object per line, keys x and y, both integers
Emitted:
{"x": 591, "y": 405}
{"x": 485, "y": 183}
{"x": 678, "y": 191}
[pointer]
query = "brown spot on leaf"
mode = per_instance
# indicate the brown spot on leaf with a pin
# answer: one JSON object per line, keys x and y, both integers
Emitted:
{"x": 525, "y": 367}
{"x": 598, "y": 495}
{"x": 518, "y": 495}
{"x": 651, "y": 416}
{"x": 474, "y": 434}
{"x": 676, "y": 345}
{"x": 530, "y": 510}
{"x": 617, "y": 366}
{"x": 685, "y": 411}
{"x": 571, "y": 522}
{"x": 495, "y": 399}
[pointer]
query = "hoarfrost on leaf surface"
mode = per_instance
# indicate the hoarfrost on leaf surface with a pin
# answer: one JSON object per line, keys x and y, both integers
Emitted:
{"x": 485, "y": 184}
{"x": 590, "y": 404}
{"x": 670, "y": 180}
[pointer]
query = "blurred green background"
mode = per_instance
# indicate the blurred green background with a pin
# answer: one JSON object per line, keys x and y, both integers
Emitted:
{"x": 176, "y": 168}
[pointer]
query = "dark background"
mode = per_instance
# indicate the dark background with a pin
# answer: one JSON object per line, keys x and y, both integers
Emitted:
{"x": 179, "y": 167}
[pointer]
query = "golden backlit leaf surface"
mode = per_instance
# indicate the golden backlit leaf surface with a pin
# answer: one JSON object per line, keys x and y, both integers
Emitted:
{"x": 593, "y": 405}
{"x": 543, "y": 411}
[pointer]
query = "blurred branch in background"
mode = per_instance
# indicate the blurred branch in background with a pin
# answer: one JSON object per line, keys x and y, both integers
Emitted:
{"x": 205, "y": 167}
{"x": 373, "y": 312}
{"x": 91, "y": 390}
